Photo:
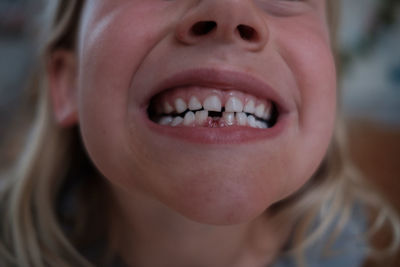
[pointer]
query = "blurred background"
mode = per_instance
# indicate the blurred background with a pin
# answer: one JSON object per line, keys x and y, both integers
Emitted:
{"x": 370, "y": 54}
{"x": 370, "y": 72}
{"x": 16, "y": 55}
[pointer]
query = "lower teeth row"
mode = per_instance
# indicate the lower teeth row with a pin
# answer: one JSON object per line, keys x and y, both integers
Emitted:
{"x": 202, "y": 119}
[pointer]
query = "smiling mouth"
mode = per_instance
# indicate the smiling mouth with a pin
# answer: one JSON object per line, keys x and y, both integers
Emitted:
{"x": 195, "y": 106}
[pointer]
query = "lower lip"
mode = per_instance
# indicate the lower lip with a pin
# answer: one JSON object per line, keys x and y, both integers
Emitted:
{"x": 225, "y": 135}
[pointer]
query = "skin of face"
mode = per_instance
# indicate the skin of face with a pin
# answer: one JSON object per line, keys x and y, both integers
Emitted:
{"x": 126, "y": 48}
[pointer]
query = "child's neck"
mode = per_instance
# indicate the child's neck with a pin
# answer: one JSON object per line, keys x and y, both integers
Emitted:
{"x": 147, "y": 234}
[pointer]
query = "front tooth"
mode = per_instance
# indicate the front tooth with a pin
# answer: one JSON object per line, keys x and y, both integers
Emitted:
{"x": 167, "y": 108}
{"x": 165, "y": 120}
{"x": 233, "y": 105}
{"x": 260, "y": 110}
{"x": 201, "y": 117}
{"x": 250, "y": 107}
{"x": 180, "y": 105}
{"x": 177, "y": 120}
{"x": 194, "y": 103}
{"x": 212, "y": 103}
{"x": 252, "y": 121}
{"x": 229, "y": 117}
{"x": 241, "y": 119}
{"x": 189, "y": 118}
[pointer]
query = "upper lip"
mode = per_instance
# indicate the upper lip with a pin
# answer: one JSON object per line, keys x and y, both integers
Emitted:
{"x": 223, "y": 80}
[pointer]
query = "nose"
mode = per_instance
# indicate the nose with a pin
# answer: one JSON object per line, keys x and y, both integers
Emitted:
{"x": 226, "y": 21}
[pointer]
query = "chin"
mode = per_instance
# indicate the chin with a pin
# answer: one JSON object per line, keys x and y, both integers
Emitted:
{"x": 236, "y": 211}
{"x": 221, "y": 200}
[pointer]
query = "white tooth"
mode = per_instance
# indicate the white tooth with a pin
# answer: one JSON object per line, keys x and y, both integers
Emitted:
{"x": 212, "y": 103}
{"x": 266, "y": 115}
{"x": 176, "y": 121}
{"x": 194, "y": 103}
{"x": 167, "y": 108}
{"x": 201, "y": 117}
{"x": 229, "y": 117}
{"x": 260, "y": 110}
{"x": 180, "y": 105}
{"x": 261, "y": 125}
{"x": 189, "y": 118}
{"x": 165, "y": 120}
{"x": 267, "y": 112}
{"x": 249, "y": 107}
{"x": 241, "y": 118}
{"x": 234, "y": 105}
{"x": 252, "y": 121}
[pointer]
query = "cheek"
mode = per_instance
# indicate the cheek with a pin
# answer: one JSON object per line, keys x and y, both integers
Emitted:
{"x": 310, "y": 61}
{"x": 111, "y": 49}
{"x": 316, "y": 77}
{"x": 306, "y": 51}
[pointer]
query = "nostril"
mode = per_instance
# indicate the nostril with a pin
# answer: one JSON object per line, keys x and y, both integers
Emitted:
{"x": 203, "y": 27}
{"x": 247, "y": 33}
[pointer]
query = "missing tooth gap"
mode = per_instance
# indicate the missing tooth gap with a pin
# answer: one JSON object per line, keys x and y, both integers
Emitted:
{"x": 213, "y": 114}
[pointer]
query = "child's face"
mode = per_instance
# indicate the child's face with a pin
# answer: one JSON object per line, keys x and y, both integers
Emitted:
{"x": 275, "y": 52}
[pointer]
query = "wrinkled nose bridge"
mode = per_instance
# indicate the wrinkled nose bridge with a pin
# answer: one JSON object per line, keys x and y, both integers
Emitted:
{"x": 224, "y": 20}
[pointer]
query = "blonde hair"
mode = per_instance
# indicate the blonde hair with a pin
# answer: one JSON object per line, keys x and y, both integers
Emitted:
{"x": 32, "y": 231}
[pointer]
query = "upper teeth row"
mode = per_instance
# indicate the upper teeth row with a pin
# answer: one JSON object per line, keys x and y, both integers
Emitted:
{"x": 213, "y": 103}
